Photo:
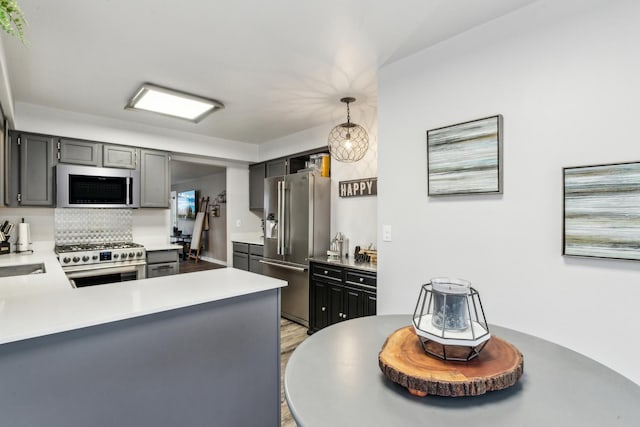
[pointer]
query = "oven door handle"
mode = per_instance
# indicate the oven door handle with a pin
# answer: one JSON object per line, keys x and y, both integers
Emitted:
{"x": 130, "y": 191}
{"x": 88, "y": 272}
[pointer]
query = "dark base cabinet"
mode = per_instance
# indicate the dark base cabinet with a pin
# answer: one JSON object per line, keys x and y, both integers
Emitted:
{"x": 247, "y": 257}
{"x": 339, "y": 293}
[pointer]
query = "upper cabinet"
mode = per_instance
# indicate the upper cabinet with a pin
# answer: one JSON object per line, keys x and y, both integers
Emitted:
{"x": 31, "y": 158}
{"x": 30, "y": 161}
{"x": 79, "y": 152}
{"x": 155, "y": 179}
{"x": 91, "y": 153}
{"x": 120, "y": 156}
{"x": 257, "y": 174}
{"x": 276, "y": 167}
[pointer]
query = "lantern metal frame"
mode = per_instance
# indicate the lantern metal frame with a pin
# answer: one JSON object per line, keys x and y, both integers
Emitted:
{"x": 348, "y": 142}
{"x": 446, "y": 343}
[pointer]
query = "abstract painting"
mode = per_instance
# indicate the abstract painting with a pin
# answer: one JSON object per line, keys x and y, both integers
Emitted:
{"x": 602, "y": 211}
{"x": 465, "y": 158}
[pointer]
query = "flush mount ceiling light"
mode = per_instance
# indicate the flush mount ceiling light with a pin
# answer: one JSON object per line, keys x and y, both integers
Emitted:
{"x": 348, "y": 142}
{"x": 172, "y": 103}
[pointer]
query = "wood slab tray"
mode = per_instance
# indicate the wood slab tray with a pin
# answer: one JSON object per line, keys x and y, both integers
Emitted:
{"x": 404, "y": 361}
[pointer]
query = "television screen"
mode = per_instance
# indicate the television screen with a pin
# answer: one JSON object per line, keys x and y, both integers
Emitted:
{"x": 187, "y": 204}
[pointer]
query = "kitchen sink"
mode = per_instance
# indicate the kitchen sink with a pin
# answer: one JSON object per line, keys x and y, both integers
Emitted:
{"x": 21, "y": 269}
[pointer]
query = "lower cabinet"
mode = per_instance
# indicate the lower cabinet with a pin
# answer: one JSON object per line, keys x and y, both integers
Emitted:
{"x": 162, "y": 263}
{"x": 247, "y": 257}
{"x": 339, "y": 293}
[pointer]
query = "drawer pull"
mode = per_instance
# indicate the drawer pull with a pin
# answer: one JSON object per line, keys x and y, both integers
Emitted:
{"x": 361, "y": 279}
{"x": 324, "y": 308}
{"x": 326, "y": 272}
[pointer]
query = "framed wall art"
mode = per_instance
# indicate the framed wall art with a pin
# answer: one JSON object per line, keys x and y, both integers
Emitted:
{"x": 602, "y": 211}
{"x": 465, "y": 158}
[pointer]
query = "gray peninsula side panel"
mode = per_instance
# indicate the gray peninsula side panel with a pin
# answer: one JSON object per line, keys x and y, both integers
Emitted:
{"x": 211, "y": 364}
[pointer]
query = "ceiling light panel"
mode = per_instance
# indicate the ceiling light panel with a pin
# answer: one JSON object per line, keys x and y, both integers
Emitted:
{"x": 172, "y": 103}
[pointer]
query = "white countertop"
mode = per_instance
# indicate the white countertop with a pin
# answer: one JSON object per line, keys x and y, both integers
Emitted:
{"x": 346, "y": 262}
{"x": 157, "y": 244}
{"x": 43, "y": 304}
{"x": 250, "y": 238}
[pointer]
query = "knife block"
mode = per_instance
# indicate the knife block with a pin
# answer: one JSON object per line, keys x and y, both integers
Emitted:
{"x": 5, "y": 247}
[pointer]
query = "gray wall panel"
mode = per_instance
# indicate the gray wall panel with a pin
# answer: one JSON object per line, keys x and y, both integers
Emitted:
{"x": 211, "y": 364}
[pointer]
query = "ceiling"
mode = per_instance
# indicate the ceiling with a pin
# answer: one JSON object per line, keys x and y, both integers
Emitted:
{"x": 279, "y": 66}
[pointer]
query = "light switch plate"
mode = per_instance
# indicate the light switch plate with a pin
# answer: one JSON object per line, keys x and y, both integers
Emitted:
{"x": 386, "y": 233}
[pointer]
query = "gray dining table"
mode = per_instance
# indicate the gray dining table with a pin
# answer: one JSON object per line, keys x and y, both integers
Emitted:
{"x": 333, "y": 379}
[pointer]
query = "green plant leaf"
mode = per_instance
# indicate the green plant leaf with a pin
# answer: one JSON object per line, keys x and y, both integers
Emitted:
{"x": 12, "y": 19}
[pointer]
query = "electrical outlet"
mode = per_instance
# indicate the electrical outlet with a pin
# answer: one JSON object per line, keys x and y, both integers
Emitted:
{"x": 386, "y": 233}
{"x": 238, "y": 223}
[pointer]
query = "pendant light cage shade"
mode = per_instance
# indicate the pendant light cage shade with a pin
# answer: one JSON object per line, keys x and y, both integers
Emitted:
{"x": 348, "y": 142}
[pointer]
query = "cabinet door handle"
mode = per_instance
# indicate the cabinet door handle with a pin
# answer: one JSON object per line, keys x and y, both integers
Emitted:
{"x": 324, "y": 308}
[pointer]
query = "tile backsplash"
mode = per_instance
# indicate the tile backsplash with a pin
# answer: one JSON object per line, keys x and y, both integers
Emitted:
{"x": 92, "y": 225}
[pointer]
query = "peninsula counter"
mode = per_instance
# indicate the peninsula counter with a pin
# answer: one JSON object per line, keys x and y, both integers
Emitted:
{"x": 190, "y": 349}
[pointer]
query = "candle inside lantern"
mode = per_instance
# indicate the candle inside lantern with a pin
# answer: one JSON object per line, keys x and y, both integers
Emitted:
{"x": 450, "y": 311}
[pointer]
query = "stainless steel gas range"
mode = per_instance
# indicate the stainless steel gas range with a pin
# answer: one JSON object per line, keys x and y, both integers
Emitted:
{"x": 99, "y": 263}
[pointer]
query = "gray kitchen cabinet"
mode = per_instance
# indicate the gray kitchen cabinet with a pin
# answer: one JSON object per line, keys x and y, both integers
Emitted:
{"x": 257, "y": 174}
{"x": 92, "y": 153}
{"x": 255, "y": 255}
{"x": 277, "y": 167}
{"x": 79, "y": 152}
{"x": 241, "y": 256}
{"x": 31, "y": 158}
{"x": 162, "y": 262}
{"x": 247, "y": 257}
{"x": 120, "y": 156}
{"x": 155, "y": 179}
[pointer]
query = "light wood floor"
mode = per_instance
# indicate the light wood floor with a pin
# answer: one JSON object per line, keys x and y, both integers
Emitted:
{"x": 291, "y": 335}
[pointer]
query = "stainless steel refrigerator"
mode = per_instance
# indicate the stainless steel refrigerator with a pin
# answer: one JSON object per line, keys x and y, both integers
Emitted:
{"x": 297, "y": 220}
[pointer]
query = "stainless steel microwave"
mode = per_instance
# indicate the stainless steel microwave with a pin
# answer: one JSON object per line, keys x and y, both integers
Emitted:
{"x": 93, "y": 187}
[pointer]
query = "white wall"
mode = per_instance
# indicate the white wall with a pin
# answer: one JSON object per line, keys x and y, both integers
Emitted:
{"x": 151, "y": 226}
{"x": 354, "y": 217}
{"x": 565, "y": 77}
{"x": 40, "y": 220}
{"x": 239, "y": 218}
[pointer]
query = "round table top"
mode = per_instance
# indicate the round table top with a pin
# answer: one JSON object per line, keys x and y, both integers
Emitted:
{"x": 333, "y": 379}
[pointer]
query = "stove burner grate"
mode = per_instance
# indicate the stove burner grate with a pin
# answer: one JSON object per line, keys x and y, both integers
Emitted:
{"x": 81, "y": 247}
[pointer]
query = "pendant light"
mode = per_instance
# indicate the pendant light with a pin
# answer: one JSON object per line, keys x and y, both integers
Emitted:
{"x": 348, "y": 142}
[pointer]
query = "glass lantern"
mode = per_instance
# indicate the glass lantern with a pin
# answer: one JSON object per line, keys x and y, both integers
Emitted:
{"x": 449, "y": 319}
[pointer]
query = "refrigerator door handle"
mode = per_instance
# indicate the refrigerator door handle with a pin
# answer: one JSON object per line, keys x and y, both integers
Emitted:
{"x": 283, "y": 224}
{"x": 276, "y": 264}
{"x": 279, "y": 219}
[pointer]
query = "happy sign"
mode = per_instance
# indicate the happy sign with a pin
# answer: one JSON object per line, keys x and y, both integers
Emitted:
{"x": 358, "y": 187}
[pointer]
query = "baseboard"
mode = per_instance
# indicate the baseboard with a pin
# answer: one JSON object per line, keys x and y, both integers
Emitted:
{"x": 213, "y": 260}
